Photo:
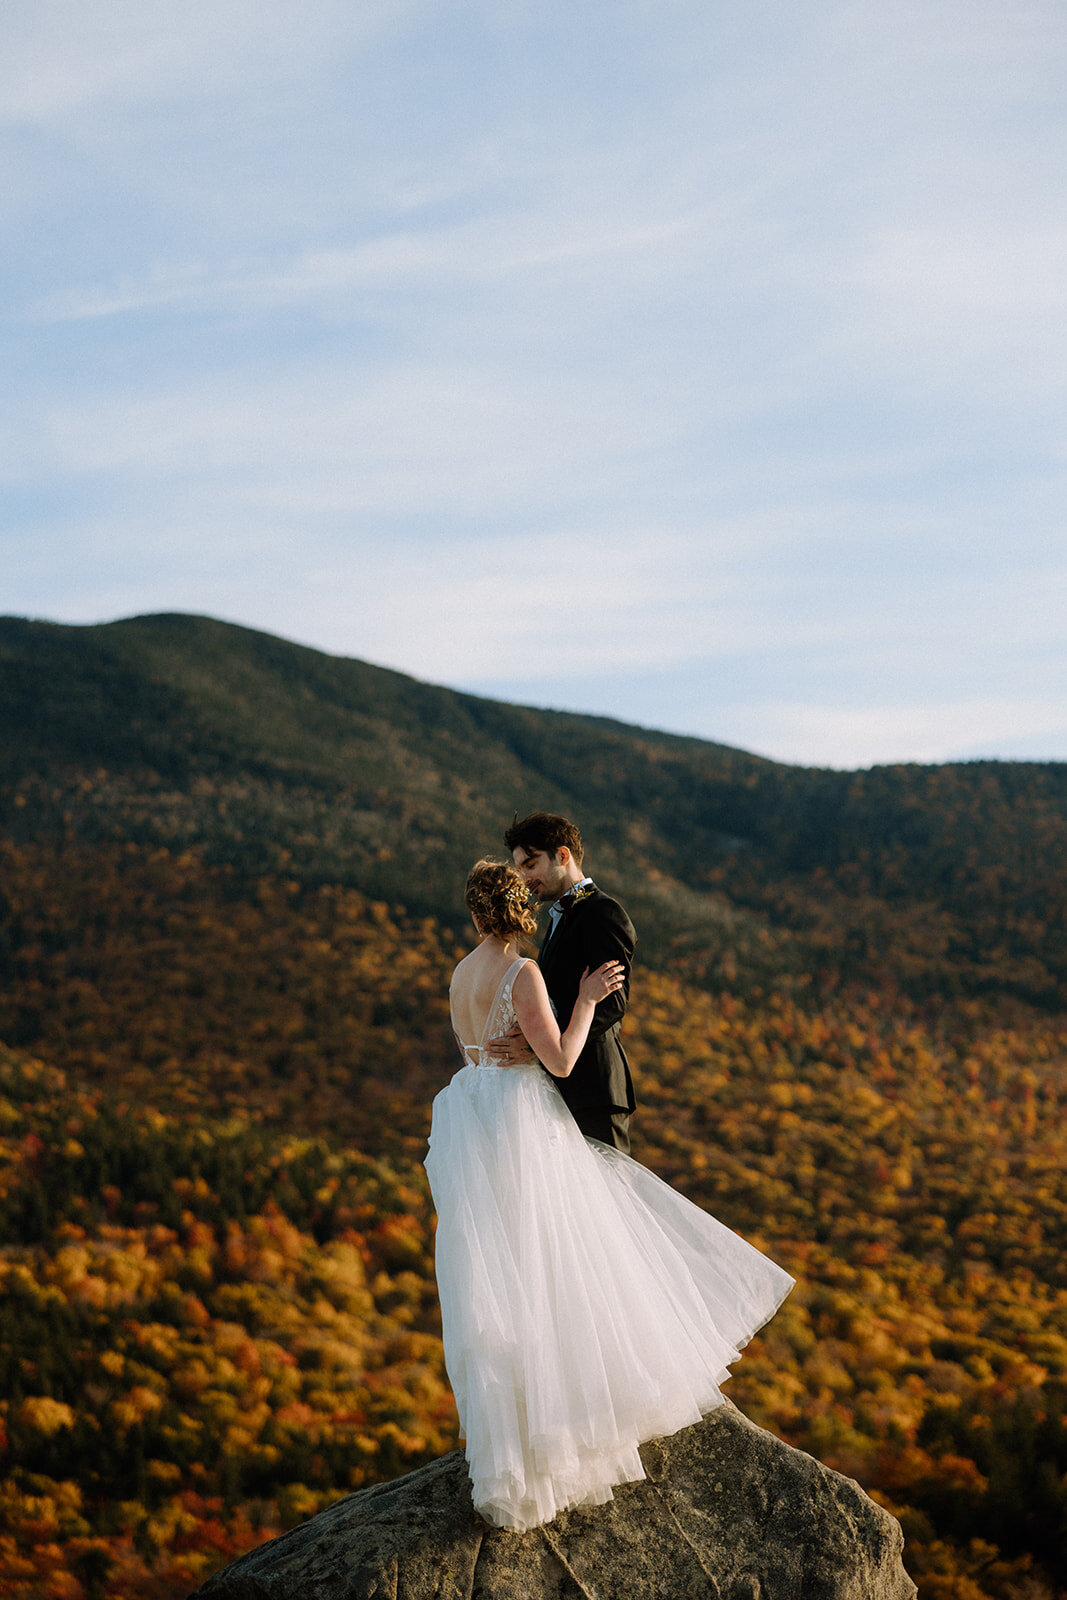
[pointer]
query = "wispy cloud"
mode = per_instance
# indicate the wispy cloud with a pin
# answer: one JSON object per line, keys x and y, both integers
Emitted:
{"x": 468, "y": 256}
{"x": 62, "y": 58}
{"x": 417, "y": 440}
{"x": 742, "y": 330}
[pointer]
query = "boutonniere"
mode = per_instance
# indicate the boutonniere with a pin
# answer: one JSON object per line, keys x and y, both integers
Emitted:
{"x": 583, "y": 891}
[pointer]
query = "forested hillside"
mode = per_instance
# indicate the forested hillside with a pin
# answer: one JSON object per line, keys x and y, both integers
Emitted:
{"x": 229, "y": 877}
{"x": 184, "y": 732}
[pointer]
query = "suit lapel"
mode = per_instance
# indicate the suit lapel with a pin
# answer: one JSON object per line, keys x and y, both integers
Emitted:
{"x": 553, "y": 938}
{"x": 549, "y": 941}
{"x": 554, "y": 933}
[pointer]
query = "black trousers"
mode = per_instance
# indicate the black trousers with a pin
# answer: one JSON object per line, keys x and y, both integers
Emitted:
{"x": 610, "y": 1127}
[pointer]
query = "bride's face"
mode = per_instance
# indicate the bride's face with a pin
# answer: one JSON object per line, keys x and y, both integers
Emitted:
{"x": 544, "y": 875}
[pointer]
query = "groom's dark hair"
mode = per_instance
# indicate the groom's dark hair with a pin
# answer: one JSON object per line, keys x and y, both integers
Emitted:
{"x": 543, "y": 830}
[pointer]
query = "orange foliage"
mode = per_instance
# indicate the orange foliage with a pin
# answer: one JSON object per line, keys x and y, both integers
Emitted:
{"x": 220, "y": 1312}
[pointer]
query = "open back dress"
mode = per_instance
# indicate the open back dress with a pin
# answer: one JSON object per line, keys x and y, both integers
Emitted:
{"x": 586, "y": 1305}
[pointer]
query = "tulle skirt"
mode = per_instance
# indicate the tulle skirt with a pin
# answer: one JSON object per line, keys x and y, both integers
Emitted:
{"x": 586, "y": 1306}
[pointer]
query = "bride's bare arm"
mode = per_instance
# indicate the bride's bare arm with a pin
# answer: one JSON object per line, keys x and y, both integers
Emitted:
{"x": 555, "y": 1050}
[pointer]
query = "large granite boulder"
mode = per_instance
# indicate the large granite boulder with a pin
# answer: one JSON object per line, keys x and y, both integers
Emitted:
{"x": 728, "y": 1512}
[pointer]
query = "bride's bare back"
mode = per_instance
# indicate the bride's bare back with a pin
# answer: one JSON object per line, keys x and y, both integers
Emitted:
{"x": 474, "y": 987}
{"x": 476, "y": 983}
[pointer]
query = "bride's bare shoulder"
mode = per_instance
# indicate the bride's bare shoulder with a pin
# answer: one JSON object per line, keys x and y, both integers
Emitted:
{"x": 464, "y": 965}
{"x": 528, "y": 977}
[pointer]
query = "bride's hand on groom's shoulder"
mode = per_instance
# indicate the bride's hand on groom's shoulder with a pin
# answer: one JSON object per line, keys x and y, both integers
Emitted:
{"x": 596, "y": 986}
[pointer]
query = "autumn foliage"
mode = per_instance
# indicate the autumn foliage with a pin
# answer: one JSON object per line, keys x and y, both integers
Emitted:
{"x": 219, "y": 1310}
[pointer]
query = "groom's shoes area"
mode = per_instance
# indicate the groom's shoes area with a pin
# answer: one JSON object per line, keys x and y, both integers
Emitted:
{"x": 727, "y": 1512}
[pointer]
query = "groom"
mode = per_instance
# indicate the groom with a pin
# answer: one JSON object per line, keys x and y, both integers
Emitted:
{"x": 586, "y": 928}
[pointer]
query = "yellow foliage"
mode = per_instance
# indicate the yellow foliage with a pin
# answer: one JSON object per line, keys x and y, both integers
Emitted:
{"x": 266, "y": 1319}
{"x": 45, "y": 1415}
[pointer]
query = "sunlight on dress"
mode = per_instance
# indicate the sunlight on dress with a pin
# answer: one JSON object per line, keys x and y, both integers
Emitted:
{"x": 586, "y": 1306}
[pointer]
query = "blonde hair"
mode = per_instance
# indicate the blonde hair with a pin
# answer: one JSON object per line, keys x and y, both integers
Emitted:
{"x": 499, "y": 899}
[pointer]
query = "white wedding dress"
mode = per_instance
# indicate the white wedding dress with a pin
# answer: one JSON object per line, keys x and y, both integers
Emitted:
{"x": 586, "y": 1306}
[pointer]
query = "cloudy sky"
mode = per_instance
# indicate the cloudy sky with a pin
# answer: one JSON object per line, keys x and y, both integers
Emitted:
{"x": 701, "y": 364}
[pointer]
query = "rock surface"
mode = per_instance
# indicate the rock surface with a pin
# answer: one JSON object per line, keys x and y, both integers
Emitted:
{"x": 728, "y": 1512}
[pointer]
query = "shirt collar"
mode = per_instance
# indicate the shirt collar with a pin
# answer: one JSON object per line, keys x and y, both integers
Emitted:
{"x": 558, "y": 907}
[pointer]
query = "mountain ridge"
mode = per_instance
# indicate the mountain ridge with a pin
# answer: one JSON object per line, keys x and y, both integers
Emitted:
{"x": 220, "y": 1035}
{"x": 185, "y": 732}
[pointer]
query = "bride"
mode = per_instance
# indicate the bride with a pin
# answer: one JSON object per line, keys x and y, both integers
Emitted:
{"x": 586, "y": 1306}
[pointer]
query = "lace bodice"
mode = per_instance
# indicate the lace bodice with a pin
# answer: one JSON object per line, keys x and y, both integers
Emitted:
{"x": 500, "y": 1019}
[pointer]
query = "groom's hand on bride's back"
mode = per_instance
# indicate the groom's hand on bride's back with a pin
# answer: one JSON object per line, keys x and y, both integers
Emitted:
{"x": 510, "y": 1049}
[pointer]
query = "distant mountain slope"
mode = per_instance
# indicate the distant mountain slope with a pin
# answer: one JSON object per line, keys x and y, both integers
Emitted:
{"x": 190, "y": 733}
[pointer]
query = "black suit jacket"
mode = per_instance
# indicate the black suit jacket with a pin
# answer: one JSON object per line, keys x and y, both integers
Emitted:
{"x": 591, "y": 931}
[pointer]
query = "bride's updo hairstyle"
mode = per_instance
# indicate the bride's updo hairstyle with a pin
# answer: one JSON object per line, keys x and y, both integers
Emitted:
{"x": 497, "y": 896}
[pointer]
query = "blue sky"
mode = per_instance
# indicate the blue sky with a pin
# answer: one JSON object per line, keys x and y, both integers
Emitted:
{"x": 698, "y": 364}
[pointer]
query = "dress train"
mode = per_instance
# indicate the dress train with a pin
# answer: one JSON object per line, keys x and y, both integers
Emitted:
{"x": 586, "y": 1305}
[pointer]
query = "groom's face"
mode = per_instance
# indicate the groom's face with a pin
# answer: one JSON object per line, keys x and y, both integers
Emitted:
{"x": 543, "y": 874}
